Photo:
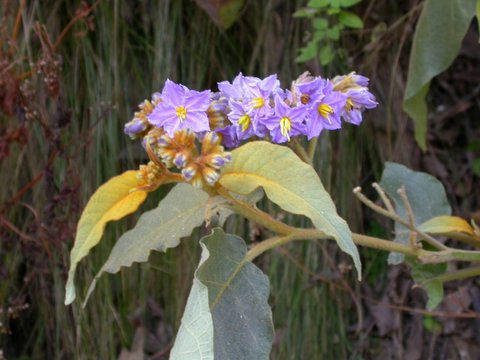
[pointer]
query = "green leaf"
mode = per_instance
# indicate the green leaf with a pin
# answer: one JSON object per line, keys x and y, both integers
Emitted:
{"x": 326, "y": 55}
{"x": 305, "y": 12}
{"x": 348, "y": 3}
{"x": 176, "y": 216}
{"x": 334, "y": 33}
{"x": 318, "y": 4}
{"x": 335, "y": 3}
{"x": 112, "y": 201}
{"x": 308, "y": 52}
{"x": 432, "y": 325}
{"x": 237, "y": 303}
{"x": 320, "y": 24}
{"x": 434, "y": 289}
{"x": 350, "y": 19}
{"x": 291, "y": 184}
{"x": 436, "y": 42}
{"x": 426, "y": 195}
{"x": 318, "y": 36}
{"x": 223, "y": 12}
{"x": 423, "y": 275}
{"x": 333, "y": 11}
{"x": 476, "y": 166}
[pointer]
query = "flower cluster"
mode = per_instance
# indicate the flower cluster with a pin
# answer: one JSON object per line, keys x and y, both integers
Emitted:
{"x": 261, "y": 108}
{"x": 247, "y": 107}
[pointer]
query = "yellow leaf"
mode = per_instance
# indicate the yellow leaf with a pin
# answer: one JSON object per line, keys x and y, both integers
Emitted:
{"x": 446, "y": 224}
{"x": 112, "y": 201}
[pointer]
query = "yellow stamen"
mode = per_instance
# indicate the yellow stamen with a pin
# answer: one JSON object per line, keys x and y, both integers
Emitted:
{"x": 349, "y": 105}
{"x": 181, "y": 112}
{"x": 325, "y": 110}
{"x": 244, "y": 122}
{"x": 258, "y": 102}
{"x": 285, "y": 127}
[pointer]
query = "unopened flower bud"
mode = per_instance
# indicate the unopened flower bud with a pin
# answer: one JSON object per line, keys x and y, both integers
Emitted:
{"x": 210, "y": 175}
{"x": 189, "y": 172}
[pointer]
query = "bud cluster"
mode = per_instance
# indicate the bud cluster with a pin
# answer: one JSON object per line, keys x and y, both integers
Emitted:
{"x": 148, "y": 174}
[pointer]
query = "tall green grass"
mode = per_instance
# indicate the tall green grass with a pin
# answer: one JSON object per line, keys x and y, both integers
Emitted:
{"x": 132, "y": 49}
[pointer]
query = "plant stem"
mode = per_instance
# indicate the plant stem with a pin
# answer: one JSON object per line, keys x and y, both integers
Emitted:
{"x": 256, "y": 215}
{"x": 312, "y": 146}
{"x": 448, "y": 255}
{"x": 272, "y": 243}
{"x": 457, "y": 275}
{"x": 392, "y": 215}
{"x": 300, "y": 150}
{"x": 386, "y": 245}
{"x": 289, "y": 233}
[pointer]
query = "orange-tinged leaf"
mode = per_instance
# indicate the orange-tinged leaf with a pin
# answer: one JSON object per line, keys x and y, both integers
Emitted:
{"x": 112, "y": 201}
{"x": 446, "y": 224}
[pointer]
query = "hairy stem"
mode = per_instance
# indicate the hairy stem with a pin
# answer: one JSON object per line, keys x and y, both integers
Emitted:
{"x": 458, "y": 275}
{"x": 300, "y": 151}
{"x": 312, "y": 147}
{"x": 255, "y": 215}
{"x": 392, "y": 215}
{"x": 276, "y": 241}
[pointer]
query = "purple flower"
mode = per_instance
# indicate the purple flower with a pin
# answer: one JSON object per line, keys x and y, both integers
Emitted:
{"x": 234, "y": 90}
{"x": 325, "y": 111}
{"x": 286, "y": 121}
{"x": 258, "y": 96}
{"x": 357, "y": 101}
{"x": 309, "y": 92}
{"x": 350, "y": 81}
{"x": 181, "y": 108}
{"x": 229, "y": 136}
{"x": 240, "y": 88}
{"x": 240, "y": 116}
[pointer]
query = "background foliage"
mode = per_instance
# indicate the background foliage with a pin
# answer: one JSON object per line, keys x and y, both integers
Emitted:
{"x": 71, "y": 76}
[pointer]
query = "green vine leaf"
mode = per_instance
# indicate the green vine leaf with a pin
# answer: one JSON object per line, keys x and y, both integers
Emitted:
{"x": 350, "y": 19}
{"x": 237, "y": 303}
{"x": 291, "y": 184}
{"x": 160, "y": 229}
{"x": 348, "y": 3}
{"x": 438, "y": 36}
{"x": 426, "y": 195}
{"x": 112, "y": 201}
